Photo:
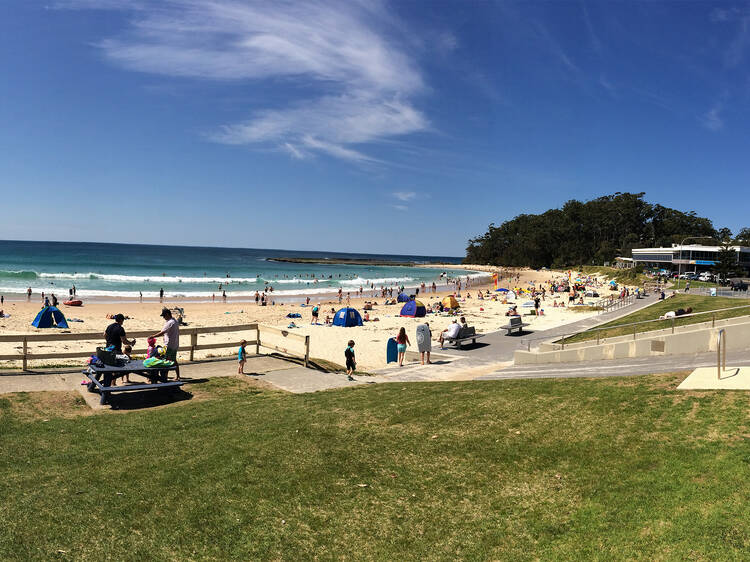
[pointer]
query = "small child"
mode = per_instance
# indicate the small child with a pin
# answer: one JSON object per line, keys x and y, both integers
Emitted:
{"x": 151, "y": 349}
{"x": 351, "y": 364}
{"x": 242, "y": 357}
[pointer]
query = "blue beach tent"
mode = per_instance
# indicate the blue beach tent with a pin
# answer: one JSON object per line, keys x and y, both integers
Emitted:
{"x": 50, "y": 317}
{"x": 403, "y": 297}
{"x": 413, "y": 309}
{"x": 347, "y": 317}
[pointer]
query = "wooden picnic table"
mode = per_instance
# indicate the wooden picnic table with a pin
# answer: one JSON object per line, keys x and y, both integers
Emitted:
{"x": 102, "y": 377}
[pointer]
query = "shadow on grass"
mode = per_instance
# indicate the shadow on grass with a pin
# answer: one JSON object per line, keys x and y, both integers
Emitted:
{"x": 147, "y": 399}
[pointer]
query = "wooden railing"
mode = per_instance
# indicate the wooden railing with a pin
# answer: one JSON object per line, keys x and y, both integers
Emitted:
{"x": 26, "y": 355}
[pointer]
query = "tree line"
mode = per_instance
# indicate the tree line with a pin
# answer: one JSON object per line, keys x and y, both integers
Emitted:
{"x": 592, "y": 232}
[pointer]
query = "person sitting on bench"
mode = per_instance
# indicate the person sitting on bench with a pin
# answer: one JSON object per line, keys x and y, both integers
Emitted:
{"x": 449, "y": 333}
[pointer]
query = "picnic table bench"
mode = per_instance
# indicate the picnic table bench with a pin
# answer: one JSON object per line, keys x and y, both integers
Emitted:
{"x": 465, "y": 334}
{"x": 516, "y": 323}
{"x": 101, "y": 378}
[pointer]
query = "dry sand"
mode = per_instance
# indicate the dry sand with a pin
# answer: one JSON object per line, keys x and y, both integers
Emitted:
{"x": 326, "y": 342}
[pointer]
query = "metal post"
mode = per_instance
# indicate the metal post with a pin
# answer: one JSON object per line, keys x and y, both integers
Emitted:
{"x": 307, "y": 351}
{"x": 673, "y": 325}
{"x": 713, "y": 320}
{"x": 25, "y": 351}
{"x": 597, "y": 336}
{"x": 721, "y": 362}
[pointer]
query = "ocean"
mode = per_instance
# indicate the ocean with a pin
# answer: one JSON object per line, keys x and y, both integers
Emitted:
{"x": 122, "y": 271}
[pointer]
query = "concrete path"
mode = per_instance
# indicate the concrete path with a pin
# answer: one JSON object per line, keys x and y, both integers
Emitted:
{"x": 619, "y": 367}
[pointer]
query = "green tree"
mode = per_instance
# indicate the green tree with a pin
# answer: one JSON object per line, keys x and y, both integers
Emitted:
{"x": 727, "y": 261}
{"x": 743, "y": 237}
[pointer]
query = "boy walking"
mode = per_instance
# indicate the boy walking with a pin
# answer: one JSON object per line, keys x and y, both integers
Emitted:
{"x": 242, "y": 357}
{"x": 351, "y": 364}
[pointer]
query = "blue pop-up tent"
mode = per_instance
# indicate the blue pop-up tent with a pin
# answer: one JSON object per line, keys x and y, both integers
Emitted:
{"x": 347, "y": 318}
{"x": 50, "y": 317}
{"x": 413, "y": 309}
{"x": 403, "y": 297}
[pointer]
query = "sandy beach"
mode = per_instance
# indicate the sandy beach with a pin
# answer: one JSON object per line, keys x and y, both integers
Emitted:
{"x": 326, "y": 342}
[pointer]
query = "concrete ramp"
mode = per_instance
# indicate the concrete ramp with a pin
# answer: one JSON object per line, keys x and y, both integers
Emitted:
{"x": 708, "y": 378}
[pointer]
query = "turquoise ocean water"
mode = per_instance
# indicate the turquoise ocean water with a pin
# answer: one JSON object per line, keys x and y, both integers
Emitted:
{"x": 115, "y": 271}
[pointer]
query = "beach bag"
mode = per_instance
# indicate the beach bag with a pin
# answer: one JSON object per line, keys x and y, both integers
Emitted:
{"x": 106, "y": 357}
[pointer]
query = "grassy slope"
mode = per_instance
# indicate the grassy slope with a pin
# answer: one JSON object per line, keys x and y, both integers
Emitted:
{"x": 622, "y": 276}
{"x": 513, "y": 470}
{"x": 698, "y": 303}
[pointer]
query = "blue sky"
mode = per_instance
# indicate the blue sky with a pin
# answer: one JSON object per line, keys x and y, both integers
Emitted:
{"x": 402, "y": 127}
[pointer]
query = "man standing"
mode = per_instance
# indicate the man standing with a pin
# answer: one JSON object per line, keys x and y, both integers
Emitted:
{"x": 171, "y": 333}
{"x": 115, "y": 334}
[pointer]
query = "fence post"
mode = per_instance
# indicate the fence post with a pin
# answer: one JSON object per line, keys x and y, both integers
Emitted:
{"x": 257, "y": 339}
{"x": 193, "y": 343}
{"x": 25, "y": 350}
{"x": 673, "y": 324}
{"x": 563, "y": 342}
{"x": 597, "y": 336}
{"x": 307, "y": 351}
{"x": 634, "y": 327}
{"x": 713, "y": 320}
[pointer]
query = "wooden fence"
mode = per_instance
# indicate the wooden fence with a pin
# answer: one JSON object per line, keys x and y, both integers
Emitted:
{"x": 26, "y": 355}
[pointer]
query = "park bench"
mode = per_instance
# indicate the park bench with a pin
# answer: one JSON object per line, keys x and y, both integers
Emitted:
{"x": 465, "y": 334}
{"x": 101, "y": 378}
{"x": 516, "y": 323}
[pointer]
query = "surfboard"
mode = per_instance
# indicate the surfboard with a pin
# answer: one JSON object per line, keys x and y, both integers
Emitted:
{"x": 392, "y": 351}
{"x": 423, "y": 338}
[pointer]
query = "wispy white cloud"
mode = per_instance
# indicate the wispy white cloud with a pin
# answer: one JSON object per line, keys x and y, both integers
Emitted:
{"x": 359, "y": 81}
{"x": 400, "y": 207}
{"x": 712, "y": 119}
{"x": 405, "y": 195}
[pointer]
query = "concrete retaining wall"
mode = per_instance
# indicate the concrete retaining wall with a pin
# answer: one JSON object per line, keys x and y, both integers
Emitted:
{"x": 695, "y": 340}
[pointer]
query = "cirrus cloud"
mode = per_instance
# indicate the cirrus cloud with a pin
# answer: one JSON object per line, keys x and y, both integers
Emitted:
{"x": 358, "y": 80}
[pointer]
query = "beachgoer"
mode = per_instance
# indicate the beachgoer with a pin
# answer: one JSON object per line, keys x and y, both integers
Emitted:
{"x": 425, "y": 346}
{"x": 171, "y": 333}
{"x": 224, "y": 296}
{"x": 140, "y": 296}
{"x": 151, "y": 349}
{"x": 315, "y": 312}
{"x": 161, "y": 294}
{"x": 402, "y": 340}
{"x": 28, "y": 294}
{"x": 449, "y": 333}
{"x": 46, "y": 301}
{"x": 351, "y": 363}
{"x": 115, "y": 335}
{"x": 242, "y": 357}
{"x": 127, "y": 350}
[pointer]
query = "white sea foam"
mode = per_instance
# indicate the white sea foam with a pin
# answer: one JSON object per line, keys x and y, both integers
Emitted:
{"x": 378, "y": 282}
{"x": 115, "y": 278}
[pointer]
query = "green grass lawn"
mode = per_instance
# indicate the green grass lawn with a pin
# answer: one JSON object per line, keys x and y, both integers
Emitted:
{"x": 606, "y": 469}
{"x": 698, "y": 304}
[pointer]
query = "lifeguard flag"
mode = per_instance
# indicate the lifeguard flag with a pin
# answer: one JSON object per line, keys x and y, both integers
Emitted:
{"x": 494, "y": 280}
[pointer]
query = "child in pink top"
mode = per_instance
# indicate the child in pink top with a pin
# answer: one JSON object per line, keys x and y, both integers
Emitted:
{"x": 151, "y": 349}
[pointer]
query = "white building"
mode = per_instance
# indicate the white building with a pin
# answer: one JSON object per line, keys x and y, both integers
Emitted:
{"x": 687, "y": 257}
